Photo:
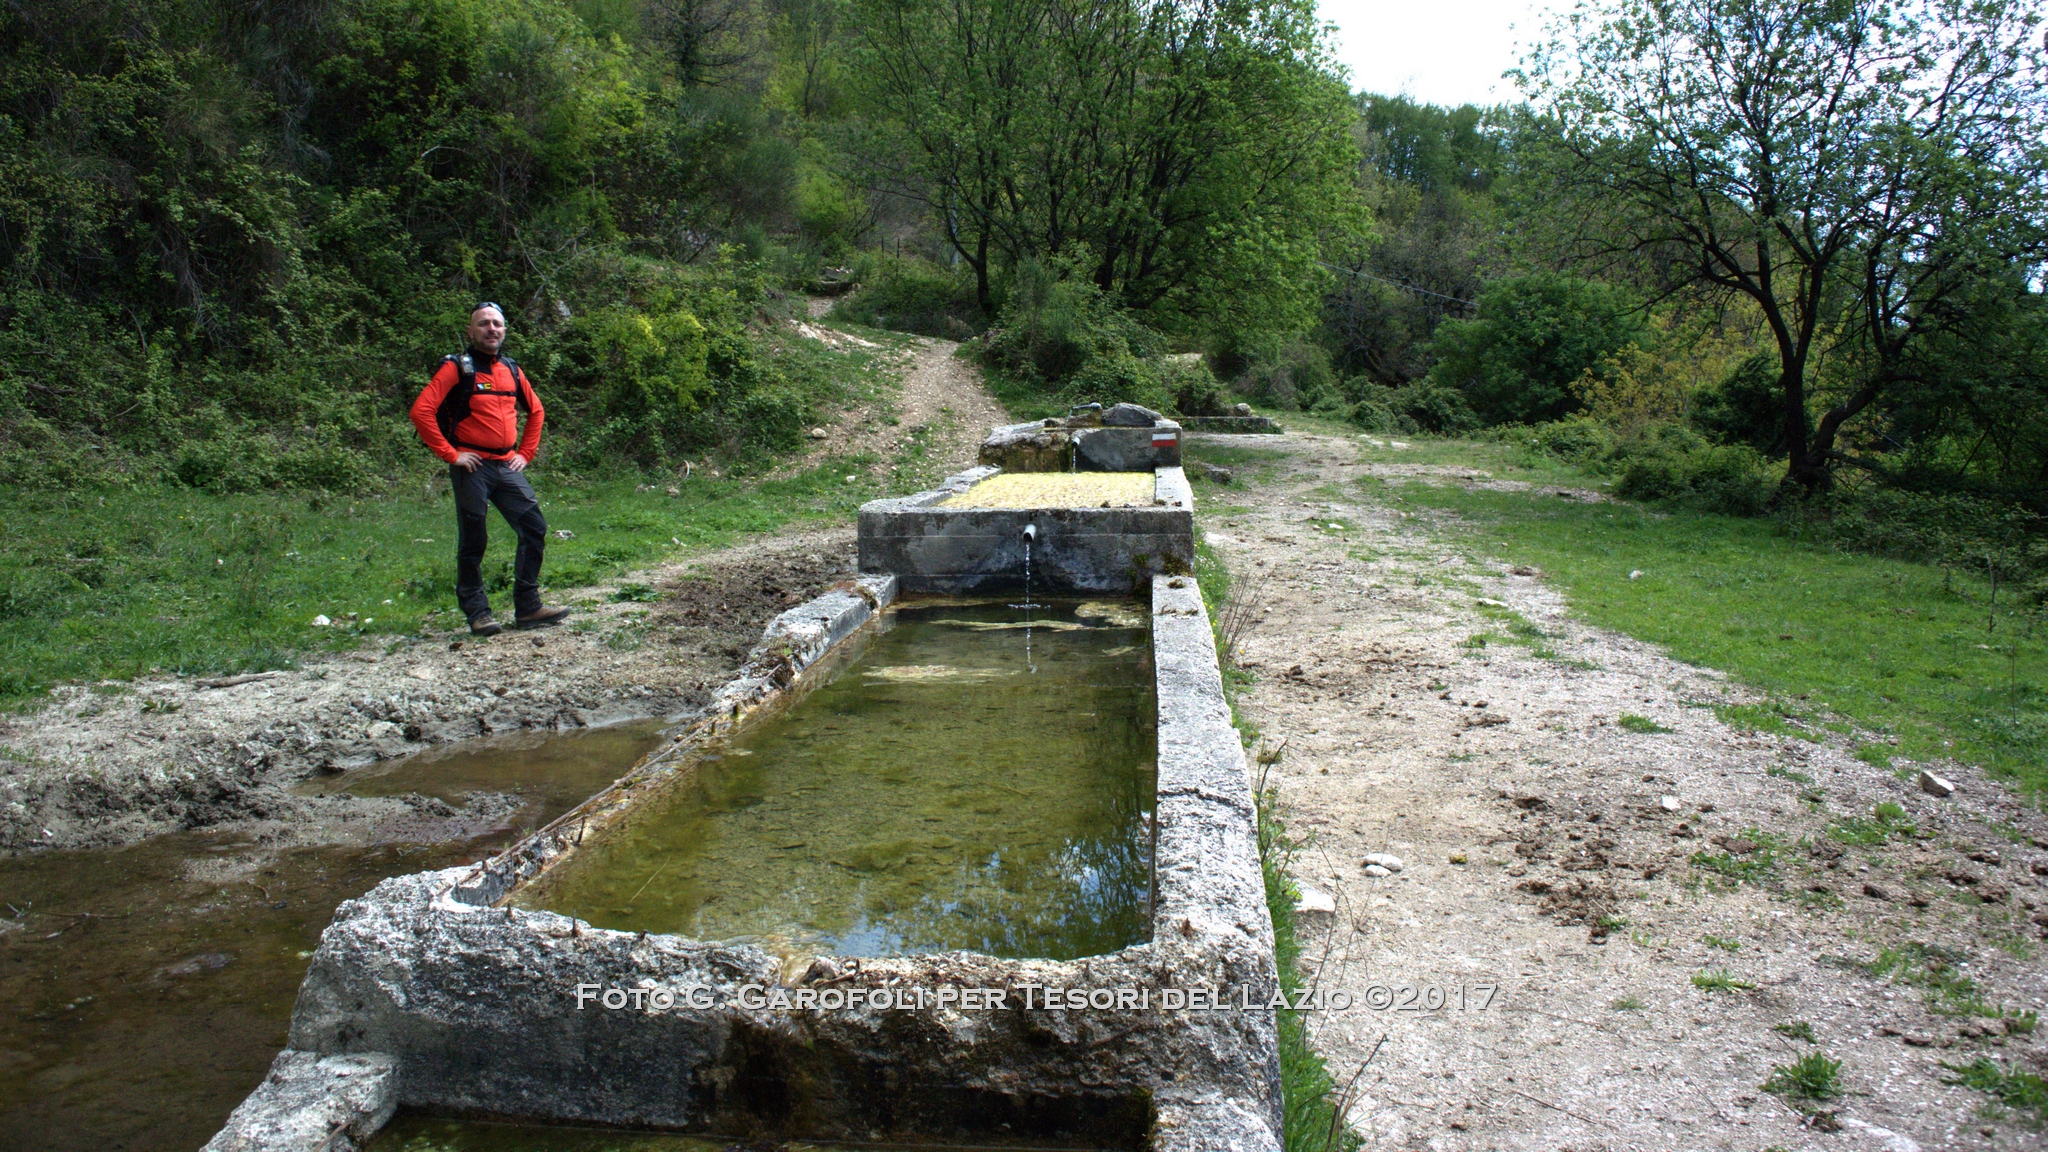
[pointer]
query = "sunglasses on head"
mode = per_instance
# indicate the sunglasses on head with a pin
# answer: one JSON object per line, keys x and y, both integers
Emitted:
{"x": 492, "y": 305}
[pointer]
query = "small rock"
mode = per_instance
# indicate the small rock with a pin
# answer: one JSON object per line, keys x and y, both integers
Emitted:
{"x": 1389, "y": 862}
{"x": 1934, "y": 785}
{"x": 1740, "y": 847}
{"x": 2039, "y": 867}
{"x": 679, "y": 492}
{"x": 817, "y": 433}
{"x": 1518, "y": 870}
{"x": 1879, "y": 892}
{"x": 1635, "y": 574}
{"x": 1376, "y": 870}
{"x": 1985, "y": 856}
{"x": 1918, "y": 1039}
{"x": 1217, "y": 474}
{"x": 1241, "y": 409}
{"x": 851, "y": 479}
{"x": 564, "y": 534}
{"x": 1529, "y": 802}
{"x": 1992, "y": 893}
{"x": 322, "y": 622}
{"x": 1315, "y": 902}
{"x": 1670, "y": 804}
{"x": 1961, "y": 875}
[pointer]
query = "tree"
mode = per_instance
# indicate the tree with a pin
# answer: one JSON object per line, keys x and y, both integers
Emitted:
{"x": 1851, "y": 166}
{"x": 1195, "y": 150}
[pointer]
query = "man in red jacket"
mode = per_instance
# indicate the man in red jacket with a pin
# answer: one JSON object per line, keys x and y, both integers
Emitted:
{"x": 469, "y": 416}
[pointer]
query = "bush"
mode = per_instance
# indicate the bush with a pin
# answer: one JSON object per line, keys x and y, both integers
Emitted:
{"x": 1672, "y": 462}
{"x": 1576, "y": 440}
{"x": 1745, "y": 407}
{"x": 1063, "y": 340}
{"x": 1291, "y": 375}
{"x": 906, "y": 294}
{"x": 1535, "y": 335}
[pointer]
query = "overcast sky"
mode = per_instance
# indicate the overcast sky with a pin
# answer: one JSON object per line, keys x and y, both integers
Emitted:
{"x": 1440, "y": 53}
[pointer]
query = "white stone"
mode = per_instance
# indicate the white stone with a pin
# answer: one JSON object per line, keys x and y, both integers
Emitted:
{"x": 1376, "y": 870}
{"x": 1315, "y": 902}
{"x": 1635, "y": 574}
{"x": 1385, "y": 860}
{"x": 1934, "y": 785}
{"x": 322, "y": 622}
{"x": 818, "y": 433}
{"x": 1670, "y": 804}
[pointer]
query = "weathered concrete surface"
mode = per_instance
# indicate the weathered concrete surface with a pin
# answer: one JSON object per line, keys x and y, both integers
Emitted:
{"x": 1040, "y": 446}
{"x": 1263, "y": 425}
{"x": 480, "y": 1003}
{"x": 1086, "y": 551}
{"x": 1130, "y": 416}
{"x": 313, "y": 1103}
{"x": 1126, "y": 449}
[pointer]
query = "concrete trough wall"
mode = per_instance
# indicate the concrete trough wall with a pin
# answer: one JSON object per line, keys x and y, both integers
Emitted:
{"x": 1074, "y": 551}
{"x": 451, "y": 1001}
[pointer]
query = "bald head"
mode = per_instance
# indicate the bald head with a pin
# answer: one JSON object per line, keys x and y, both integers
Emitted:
{"x": 487, "y": 328}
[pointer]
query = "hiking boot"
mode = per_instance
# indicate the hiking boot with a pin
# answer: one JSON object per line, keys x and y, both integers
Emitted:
{"x": 483, "y": 625}
{"x": 540, "y": 617}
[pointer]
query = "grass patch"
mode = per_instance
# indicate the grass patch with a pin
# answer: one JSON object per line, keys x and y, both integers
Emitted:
{"x": 2022, "y": 1092}
{"x": 1752, "y": 867}
{"x": 1642, "y": 724}
{"x": 1628, "y": 1004}
{"x": 1722, "y": 942}
{"x": 1718, "y": 980}
{"x": 1812, "y": 1077}
{"x": 1886, "y": 821}
{"x": 1887, "y": 645}
{"x": 1937, "y": 972}
{"x": 119, "y": 584}
{"x": 1797, "y": 1030}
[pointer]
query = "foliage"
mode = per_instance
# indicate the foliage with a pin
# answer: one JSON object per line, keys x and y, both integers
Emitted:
{"x": 2014, "y": 1088}
{"x": 1064, "y": 338}
{"x": 1199, "y": 154}
{"x": 911, "y": 295}
{"x": 1813, "y": 1076}
{"x": 1856, "y": 171}
{"x": 1534, "y": 338}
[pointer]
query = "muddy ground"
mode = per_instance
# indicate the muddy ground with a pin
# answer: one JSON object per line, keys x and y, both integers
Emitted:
{"x": 113, "y": 763}
{"x": 1548, "y": 852}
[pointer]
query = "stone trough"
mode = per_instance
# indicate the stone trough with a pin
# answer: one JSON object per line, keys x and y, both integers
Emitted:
{"x": 434, "y": 993}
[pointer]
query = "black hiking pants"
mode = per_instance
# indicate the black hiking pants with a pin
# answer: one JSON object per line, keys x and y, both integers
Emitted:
{"x": 494, "y": 483}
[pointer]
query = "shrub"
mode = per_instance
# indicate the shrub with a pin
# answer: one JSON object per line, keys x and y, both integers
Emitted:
{"x": 1575, "y": 439}
{"x": 1672, "y": 462}
{"x": 1534, "y": 337}
{"x": 1291, "y": 375}
{"x": 1745, "y": 407}
{"x": 1064, "y": 340}
{"x": 911, "y": 295}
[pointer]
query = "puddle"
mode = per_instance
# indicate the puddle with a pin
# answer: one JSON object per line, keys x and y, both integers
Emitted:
{"x": 550, "y": 773}
{"x": 961, "y": 784}
{"x": 147, "y": 988}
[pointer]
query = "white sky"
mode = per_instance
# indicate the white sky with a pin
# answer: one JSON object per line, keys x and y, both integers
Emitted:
{"x": 1438, "y": 53}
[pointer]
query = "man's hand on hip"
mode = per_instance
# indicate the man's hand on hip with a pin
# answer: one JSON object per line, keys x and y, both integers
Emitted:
{"x": 516, "y": 462}
{"x": 467, "y": 461}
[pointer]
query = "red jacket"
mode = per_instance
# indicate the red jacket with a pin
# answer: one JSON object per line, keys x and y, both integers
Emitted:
{"x": 491, "y": 426}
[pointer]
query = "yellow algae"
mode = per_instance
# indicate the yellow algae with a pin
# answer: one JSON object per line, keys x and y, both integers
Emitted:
{"x": 1058, "y": 490}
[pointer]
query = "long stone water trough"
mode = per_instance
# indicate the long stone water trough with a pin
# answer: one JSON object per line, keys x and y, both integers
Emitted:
{"x": 432, "y": 992}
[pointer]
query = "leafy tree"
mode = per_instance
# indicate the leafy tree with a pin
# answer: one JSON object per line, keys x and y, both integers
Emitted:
{"x": 1850, "y": 166}
{"x": 1534, "y": 336}
{"x": 1198, "y": 150}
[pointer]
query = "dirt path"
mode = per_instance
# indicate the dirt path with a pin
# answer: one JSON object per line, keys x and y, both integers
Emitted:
{"x": 1548, "y": 852}
{"x": 119, "y": 762}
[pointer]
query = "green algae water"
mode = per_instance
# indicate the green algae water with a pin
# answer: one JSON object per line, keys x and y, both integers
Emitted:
{"x": 980, "y": 777}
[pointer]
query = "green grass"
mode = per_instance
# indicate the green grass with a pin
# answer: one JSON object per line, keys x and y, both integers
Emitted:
{"x": 1752, "y": 867}
{"x": 2021, "y": 1091}
{"x": 1642, "y": 724}
{"x": 1722, "y": 942}
{"x": 1628, "y": 1004}
{"x": 1886, "y": 821}
{"x": 1812, "y": 1077}
{"x": 1718, "y": 980}
{"x": 117, "y": 584}
{"x": 1891, "y": 646}
{"x": 1937, "y": 972}
{"x": 1797, "y": 1030}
